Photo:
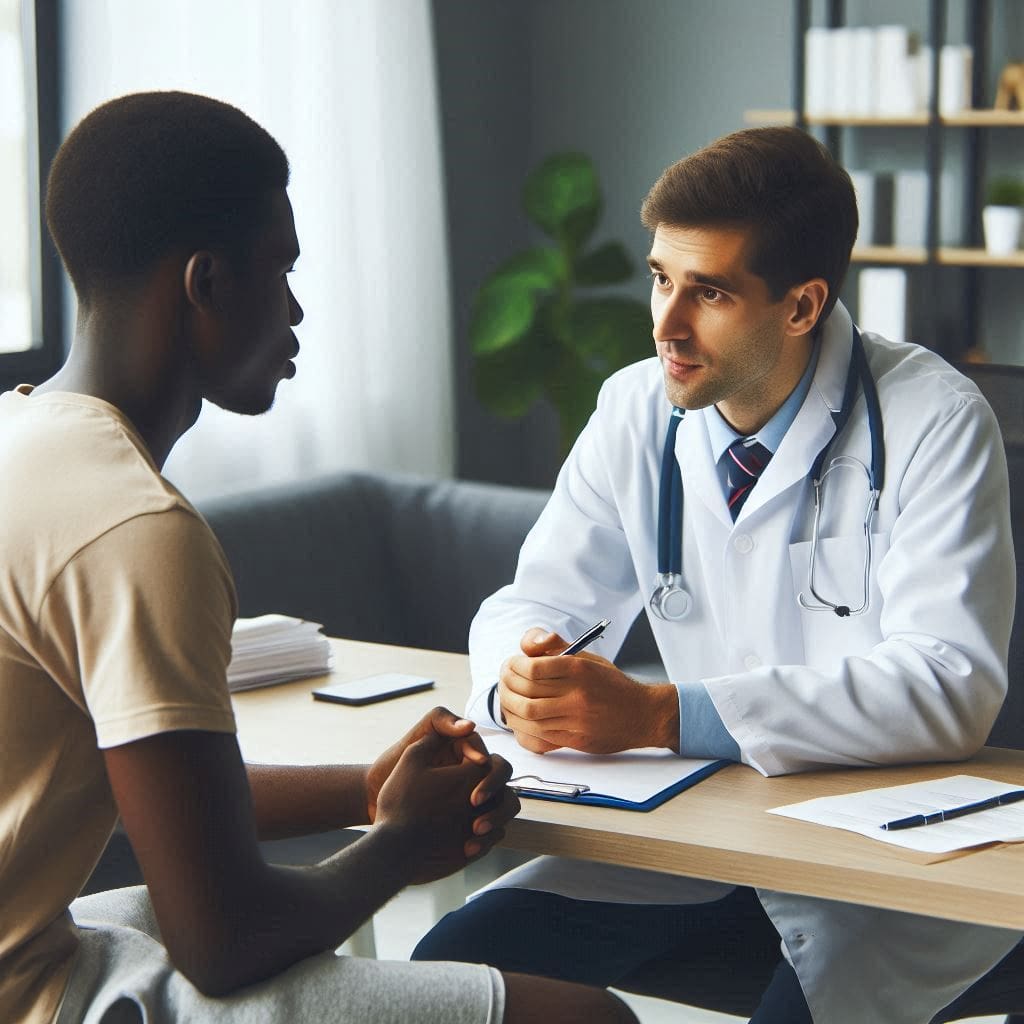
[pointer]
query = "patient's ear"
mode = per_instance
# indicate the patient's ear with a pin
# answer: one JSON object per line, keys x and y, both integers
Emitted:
{"x": 202, "y": 272}
{"x": 807, "y": 301}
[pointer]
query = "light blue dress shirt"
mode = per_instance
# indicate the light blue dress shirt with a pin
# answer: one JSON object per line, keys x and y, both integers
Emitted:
{"x": 701, "y": 732}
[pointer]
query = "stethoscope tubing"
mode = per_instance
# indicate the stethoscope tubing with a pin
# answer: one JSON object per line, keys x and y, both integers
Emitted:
{"x": 670, "y": 495}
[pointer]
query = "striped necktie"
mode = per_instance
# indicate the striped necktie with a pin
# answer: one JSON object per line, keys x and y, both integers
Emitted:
{"x": 746, "y": 461}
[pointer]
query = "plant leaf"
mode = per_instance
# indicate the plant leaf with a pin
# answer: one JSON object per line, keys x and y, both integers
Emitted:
{"x": 506, "y": 302}
{"x": 608, "y": 264}
{"x": 563, "y": 198}
{"x": 580, "y": 224}
{"x": 610, "y": 333}
{"x": 501, "y": 315}
{"x": 510, "y": 380}
{"x": 539, "y": 268}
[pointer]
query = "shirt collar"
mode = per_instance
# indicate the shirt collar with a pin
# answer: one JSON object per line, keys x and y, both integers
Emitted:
{"x": 771, "y": 434}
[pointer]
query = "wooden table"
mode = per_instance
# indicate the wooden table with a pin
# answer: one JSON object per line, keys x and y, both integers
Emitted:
{"x": 716, "y": 830}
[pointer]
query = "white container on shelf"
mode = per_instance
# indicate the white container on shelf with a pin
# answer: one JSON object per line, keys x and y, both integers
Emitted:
{"x": 862, "y": 45}
{"x": 1001, "y": 225}
{"x": 817, "y": 46}
{"x": 893, "y": 71}
{"x": 882, "y": 302}
{"x": 843, "y": 84}
{"x": 955, "y": 68}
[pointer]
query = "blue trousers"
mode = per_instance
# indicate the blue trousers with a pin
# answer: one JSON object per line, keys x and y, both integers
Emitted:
{"x": 723, "y": 944}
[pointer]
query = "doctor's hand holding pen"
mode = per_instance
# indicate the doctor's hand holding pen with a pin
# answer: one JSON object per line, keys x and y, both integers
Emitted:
{"x": 582, "y": 701}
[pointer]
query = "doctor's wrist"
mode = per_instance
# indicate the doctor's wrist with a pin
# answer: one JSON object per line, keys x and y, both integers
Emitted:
{"x": 660, "y": 715}
{"x": 494, "y": 709}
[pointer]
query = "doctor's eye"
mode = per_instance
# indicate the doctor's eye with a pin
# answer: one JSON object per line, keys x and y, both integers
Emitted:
{"x": 660, "y": 279}
{"x": 713, "y": 295}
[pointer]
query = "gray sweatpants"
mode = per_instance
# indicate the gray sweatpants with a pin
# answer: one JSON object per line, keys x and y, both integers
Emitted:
{"x": 122, "y": 974}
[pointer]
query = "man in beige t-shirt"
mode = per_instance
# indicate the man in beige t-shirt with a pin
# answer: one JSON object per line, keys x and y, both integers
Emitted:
{"x": 116, "y": 608}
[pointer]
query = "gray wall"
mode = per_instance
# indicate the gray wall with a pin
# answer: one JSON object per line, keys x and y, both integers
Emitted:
{"x": 637, "y": 84}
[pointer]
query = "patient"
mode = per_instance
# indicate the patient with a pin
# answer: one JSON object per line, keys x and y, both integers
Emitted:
{"x": 172, "y": 219}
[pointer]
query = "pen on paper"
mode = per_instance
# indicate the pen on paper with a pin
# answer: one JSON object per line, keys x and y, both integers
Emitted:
{"x": 934, "y": 817}
{"x": 586, "y": 638}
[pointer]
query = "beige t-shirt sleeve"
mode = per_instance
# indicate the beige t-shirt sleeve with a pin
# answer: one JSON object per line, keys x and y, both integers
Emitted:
{"x": 138, "y": 625}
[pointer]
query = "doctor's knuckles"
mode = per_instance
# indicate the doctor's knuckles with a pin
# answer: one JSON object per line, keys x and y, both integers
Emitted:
{"x": 582, "y": 701}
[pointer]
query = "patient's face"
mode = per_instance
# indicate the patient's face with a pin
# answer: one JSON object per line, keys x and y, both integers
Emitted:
{"x": 255, "y": 346}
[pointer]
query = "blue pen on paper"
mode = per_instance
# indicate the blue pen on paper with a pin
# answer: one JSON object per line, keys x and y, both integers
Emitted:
{"x": 586, "y": 638}
{"x": 934, "y": 817}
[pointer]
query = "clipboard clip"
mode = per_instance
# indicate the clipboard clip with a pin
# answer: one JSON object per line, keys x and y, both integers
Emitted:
{"x": 535, "y": 784}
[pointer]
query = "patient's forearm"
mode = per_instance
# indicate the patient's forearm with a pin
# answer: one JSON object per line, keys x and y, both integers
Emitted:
{"x": 292, "y": 800}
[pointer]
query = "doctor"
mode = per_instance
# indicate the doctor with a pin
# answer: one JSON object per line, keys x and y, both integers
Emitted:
{"x": 862, "y": 622}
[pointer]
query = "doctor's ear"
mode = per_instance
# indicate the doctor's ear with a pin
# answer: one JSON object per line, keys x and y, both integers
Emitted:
{"x": 806, "y": 303}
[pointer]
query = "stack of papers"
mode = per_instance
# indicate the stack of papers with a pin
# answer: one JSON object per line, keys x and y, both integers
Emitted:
{"x": 865, "y": 812}
{"x": 276, "y": 649}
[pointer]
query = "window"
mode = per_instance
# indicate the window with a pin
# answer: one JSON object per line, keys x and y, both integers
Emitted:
{"x": 30, "y": 275}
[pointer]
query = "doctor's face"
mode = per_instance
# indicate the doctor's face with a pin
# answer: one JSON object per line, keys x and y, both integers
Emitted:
{"x": 721, "y": 338}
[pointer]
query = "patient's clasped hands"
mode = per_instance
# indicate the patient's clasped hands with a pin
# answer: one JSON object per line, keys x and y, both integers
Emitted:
{"x": 447, "y": 794}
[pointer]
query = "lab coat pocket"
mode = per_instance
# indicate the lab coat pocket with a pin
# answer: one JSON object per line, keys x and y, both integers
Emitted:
{"x": 839, "y": 579}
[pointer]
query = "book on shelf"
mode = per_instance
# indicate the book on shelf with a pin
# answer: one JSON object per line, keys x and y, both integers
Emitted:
{"x": 273, "y": 649}
{"x": 882, "y": 72}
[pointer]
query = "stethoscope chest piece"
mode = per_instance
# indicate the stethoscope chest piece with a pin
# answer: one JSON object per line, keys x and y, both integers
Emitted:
{"x": 670, "y": 600}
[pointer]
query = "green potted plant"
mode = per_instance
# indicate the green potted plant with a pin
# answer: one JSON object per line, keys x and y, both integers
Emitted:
{"x": 1002, "y": 215}
{"x": 539, "y": 330}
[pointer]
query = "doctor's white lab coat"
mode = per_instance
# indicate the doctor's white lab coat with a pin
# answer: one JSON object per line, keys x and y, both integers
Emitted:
{"x": 919, "y": 677}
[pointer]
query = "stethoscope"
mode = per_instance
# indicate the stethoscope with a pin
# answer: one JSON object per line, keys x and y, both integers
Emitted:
{"x": 670, "y": 599}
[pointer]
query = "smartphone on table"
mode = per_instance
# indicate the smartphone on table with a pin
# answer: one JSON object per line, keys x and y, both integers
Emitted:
{"x": 371, "y": 689}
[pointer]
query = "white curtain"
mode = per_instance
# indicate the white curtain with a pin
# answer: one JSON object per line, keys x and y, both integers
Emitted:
{"x": 348, "y": 88}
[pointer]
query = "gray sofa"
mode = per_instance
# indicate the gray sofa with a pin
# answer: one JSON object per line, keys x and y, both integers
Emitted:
{"x": 384, "y": 558}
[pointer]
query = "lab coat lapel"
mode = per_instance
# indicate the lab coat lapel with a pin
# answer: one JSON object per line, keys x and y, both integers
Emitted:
{"x": 697, "y": 465}
{"x": 813, "y": 427}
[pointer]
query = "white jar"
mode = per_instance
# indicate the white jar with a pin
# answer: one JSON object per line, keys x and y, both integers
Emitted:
{"x": 1001, "y": 225}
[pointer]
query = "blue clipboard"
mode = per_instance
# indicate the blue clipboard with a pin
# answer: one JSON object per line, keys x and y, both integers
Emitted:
{"x": 576, "y": 793}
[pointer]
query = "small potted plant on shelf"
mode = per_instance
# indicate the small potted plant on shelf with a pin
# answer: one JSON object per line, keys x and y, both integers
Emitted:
{"x": 1002, "y": 215}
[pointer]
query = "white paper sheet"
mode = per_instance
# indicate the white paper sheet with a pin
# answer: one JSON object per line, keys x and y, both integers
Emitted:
{"x": 866, "y": 811}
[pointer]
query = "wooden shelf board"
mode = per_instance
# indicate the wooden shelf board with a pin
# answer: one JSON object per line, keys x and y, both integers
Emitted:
{"x": 947, "y": 256}
{"x": 978, "y": 258}
{"x": 889, "y": 254}
{"x": 965, "y": 119}
{"x": 789, "y": 117}
{"x": 873, "y": 121}
{"x": 986, "y": 119}
{"x": 769, "y": 117}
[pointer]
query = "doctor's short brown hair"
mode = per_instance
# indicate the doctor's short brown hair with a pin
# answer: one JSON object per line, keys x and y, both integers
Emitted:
{"x": 780, "y": 183}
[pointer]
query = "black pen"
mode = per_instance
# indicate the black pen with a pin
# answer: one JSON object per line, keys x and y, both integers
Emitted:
{"x": 586, "y": 638}
{"x": 934, "y": 817}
